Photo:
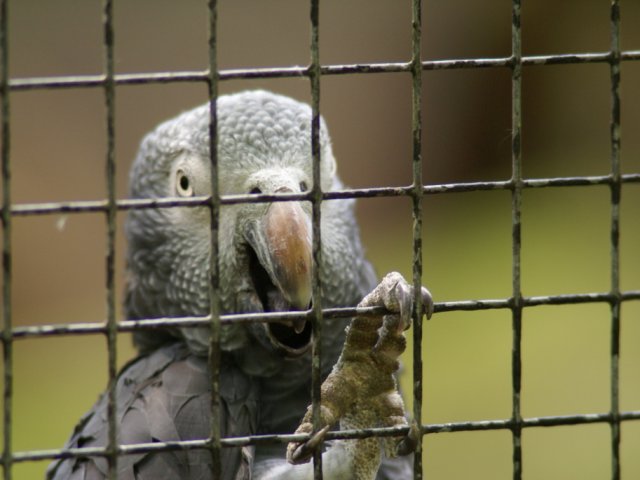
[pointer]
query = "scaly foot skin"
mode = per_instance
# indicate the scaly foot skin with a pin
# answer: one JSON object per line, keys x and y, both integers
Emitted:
{"x": 361, "y": 390}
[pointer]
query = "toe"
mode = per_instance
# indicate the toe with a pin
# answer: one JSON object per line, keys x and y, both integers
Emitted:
{"x": 427, "y": 302}
{"x": 408, "y": 444}
{"x": 302, "y": 452}
{"x": 404, "y": 296}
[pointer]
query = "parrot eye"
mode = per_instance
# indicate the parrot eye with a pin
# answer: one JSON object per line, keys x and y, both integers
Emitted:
{"x": 255, "y": 191}
{"x": 183, "y": 185}
{"x": 303, "y": 186}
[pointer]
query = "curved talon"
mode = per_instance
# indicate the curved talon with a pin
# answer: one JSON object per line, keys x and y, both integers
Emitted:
{"x": 304, "y": 451}
{"x": 404, "y": 295}
{"x": 427, "y": 302}
{"x": 408, "y": 444}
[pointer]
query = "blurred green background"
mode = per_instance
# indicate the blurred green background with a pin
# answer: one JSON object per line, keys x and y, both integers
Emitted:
{"x": 58, "y": 150}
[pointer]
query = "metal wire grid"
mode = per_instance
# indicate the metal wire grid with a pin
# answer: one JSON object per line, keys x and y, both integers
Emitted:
{"x": 516, "y": 184}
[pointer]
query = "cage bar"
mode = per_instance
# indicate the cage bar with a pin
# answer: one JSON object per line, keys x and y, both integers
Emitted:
{"x": 434, "y": 428}
{"x": 615, "y": 187}
{"x": 89, "y": 328}
{"x": 214, "y": 266}
{"x": 516, "y": 207}
{"x": 7, "y": 334}
{"x": 89, "y": 206}
{"x": 316, "y": 208}
{"x": 417, "y": 197}
{"x": 88, "y": 81}
{"x": 110, "y": 217}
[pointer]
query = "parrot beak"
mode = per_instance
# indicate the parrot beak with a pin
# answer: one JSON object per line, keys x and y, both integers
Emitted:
{"x": 288, "y": 239}
{"x": 281, "y": 270}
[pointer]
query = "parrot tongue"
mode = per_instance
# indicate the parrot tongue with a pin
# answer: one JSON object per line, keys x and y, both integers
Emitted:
{"x": 299, "y": 325}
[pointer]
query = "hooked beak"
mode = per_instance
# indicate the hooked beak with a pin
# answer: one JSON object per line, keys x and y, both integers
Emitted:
{"x": 288, "y": 242}
{"x": 281, "y": 240}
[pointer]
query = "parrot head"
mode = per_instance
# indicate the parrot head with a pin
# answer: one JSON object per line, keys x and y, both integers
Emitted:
{"x": 265, "y": 249}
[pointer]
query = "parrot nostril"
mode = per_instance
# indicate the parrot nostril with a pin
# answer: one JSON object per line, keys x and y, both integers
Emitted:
{"x": 255, "y": 191}
{"x": 303, "y": 186}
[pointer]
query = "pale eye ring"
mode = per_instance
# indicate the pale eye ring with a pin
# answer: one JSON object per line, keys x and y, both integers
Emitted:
{"x": 183, "y": 184}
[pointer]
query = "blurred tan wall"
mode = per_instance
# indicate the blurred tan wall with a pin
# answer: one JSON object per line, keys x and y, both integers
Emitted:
{"x": 58, "y": 149}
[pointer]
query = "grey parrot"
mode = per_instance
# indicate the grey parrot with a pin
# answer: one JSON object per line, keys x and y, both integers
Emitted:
{"x": 265, "y": 262}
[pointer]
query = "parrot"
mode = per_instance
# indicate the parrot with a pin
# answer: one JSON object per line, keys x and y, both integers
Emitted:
{"x": 265, "y": 264}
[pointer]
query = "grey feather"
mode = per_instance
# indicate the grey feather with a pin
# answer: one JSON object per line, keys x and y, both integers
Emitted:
{"x": 166, "y": 396}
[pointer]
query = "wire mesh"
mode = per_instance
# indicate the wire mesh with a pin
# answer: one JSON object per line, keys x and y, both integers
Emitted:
{"x": 416, "y": 192}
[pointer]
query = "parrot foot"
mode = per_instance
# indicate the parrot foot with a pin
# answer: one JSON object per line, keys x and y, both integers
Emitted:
{"x": 361, "y": 391}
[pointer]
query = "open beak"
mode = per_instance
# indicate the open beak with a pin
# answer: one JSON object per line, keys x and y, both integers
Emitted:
{"x": 281, "y": 240}
{"x": 288, "y": 241}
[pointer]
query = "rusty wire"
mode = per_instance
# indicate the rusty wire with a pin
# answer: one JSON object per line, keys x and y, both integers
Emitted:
{"x": 516, "y": 302}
